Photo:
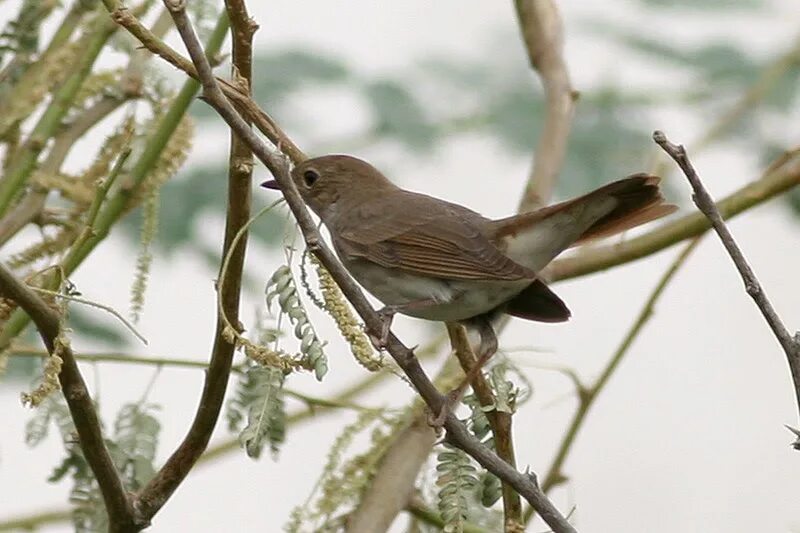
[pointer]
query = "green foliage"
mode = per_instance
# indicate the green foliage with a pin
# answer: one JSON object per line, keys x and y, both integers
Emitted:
{"x": 21, "y": 35}
{"x": 136, "y": 437}
{"x": 490, "y": 489}
{"x": 133, "y": 451}
{"x": 457, "y": 481}
{"x": 54, "y": 410}
{"x": 343, "y": 481}
{"x": 397, "y": 114}
{"x": 281, "y": 285}
{"x": 259, "y": 399}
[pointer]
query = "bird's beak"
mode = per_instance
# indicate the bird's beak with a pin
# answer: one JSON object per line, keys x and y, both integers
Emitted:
{"x": 271, "y": 184}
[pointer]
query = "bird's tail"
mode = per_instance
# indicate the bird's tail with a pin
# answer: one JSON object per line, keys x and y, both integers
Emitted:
{"x": 536, "y": 238}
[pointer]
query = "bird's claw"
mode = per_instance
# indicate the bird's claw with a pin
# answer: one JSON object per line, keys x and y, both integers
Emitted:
{"x": 451, "y": 400}
{"x": 381, "y": 340}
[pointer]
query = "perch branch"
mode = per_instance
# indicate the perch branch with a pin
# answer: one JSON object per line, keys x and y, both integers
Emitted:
{"x": 704, "y": 202}
{"x": 457, "y": 433}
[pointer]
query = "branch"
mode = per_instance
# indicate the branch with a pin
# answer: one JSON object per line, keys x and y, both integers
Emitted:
{"x": 499, "y": 421}
{"x": 543, "y": 33}
{"x": 457, "y": 433}
{"x": 242, "y": 100}
{"x": 183, "y": 459}
{"x": 704, "y": 202}
{"x": 781, "y": 176}
{"x": 120, "y": 511}
{"x": 393, "y": 484}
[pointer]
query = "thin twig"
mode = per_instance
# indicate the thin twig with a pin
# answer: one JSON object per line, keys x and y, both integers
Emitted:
{"x": 106, "y": 308}
{"x": 704, "y": 202}
{"x": 543, "y": 33}
{"x": 242, "y": 100}
{"x": 118, "y": 505}
{"x": 457, "y": 433}
{"x": 156, "y": 493}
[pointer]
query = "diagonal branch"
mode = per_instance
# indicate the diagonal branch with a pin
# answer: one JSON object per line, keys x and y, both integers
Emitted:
{"x": 177, "y": 467}
{"x": 120, "y": 511}
{"x": 543, "y": 33}
{"x": 241, "y": 99}
{"x": 457, "y": 433}
{"x": 704, "y": 202}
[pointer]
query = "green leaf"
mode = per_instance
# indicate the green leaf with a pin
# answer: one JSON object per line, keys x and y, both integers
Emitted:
{"x": 259, "y": 400}
{"x": 136, "y": 437}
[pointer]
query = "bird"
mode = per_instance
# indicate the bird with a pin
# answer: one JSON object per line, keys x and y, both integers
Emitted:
{"x": 432, "y": 259}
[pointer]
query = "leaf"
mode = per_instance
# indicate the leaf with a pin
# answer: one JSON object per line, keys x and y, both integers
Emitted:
{"x": 457, "y": 481}
{"x": 136, "y": 438}
{"x": 52, "y": 409}
{"x": 259, "y": 400}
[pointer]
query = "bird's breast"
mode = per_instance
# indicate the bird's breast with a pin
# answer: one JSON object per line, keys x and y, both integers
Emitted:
{"x": 438, "y": 299}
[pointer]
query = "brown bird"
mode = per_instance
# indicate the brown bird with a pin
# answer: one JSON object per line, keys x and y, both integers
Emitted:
{"x": 431, "y": 259}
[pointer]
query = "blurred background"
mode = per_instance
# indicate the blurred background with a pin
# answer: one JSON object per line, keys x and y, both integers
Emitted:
{"x": 689, "y": 434}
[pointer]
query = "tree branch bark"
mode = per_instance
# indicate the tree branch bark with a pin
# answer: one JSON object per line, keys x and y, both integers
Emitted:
{"x": 543, "y": 33}
{"x": 118, "y": 506}
{"x": 177, "y": 467}
{"x": 704, "y": 202}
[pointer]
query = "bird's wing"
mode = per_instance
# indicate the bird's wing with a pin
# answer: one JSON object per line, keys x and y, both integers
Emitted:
{"x": 430, "y": 238}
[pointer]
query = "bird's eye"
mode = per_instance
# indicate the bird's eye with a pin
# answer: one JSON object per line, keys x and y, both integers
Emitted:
{"x": 310, "y": 177}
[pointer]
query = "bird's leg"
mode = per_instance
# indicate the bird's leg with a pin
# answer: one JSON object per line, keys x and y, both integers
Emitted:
{"x": 487, "y": 348}
{"x": 387, "y": 313}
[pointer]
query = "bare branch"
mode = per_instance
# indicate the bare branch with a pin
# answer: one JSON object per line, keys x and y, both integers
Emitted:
{"x": 177, "y": 467}
{"x": 704, "y": 202}
{"x": 244, "y": 104}
{"x": 393, "y": 483}
{"x": 118, "y": 505}
{"x": 543, "y": 33}
{"x": 457, "y": 433}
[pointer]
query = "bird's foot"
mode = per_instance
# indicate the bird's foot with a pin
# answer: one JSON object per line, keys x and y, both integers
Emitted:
{"x": 451, "y": 401}
{"x": 380, "y": 339}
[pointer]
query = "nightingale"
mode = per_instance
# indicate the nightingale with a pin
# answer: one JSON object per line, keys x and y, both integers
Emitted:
{"x": 432, "y": 259}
